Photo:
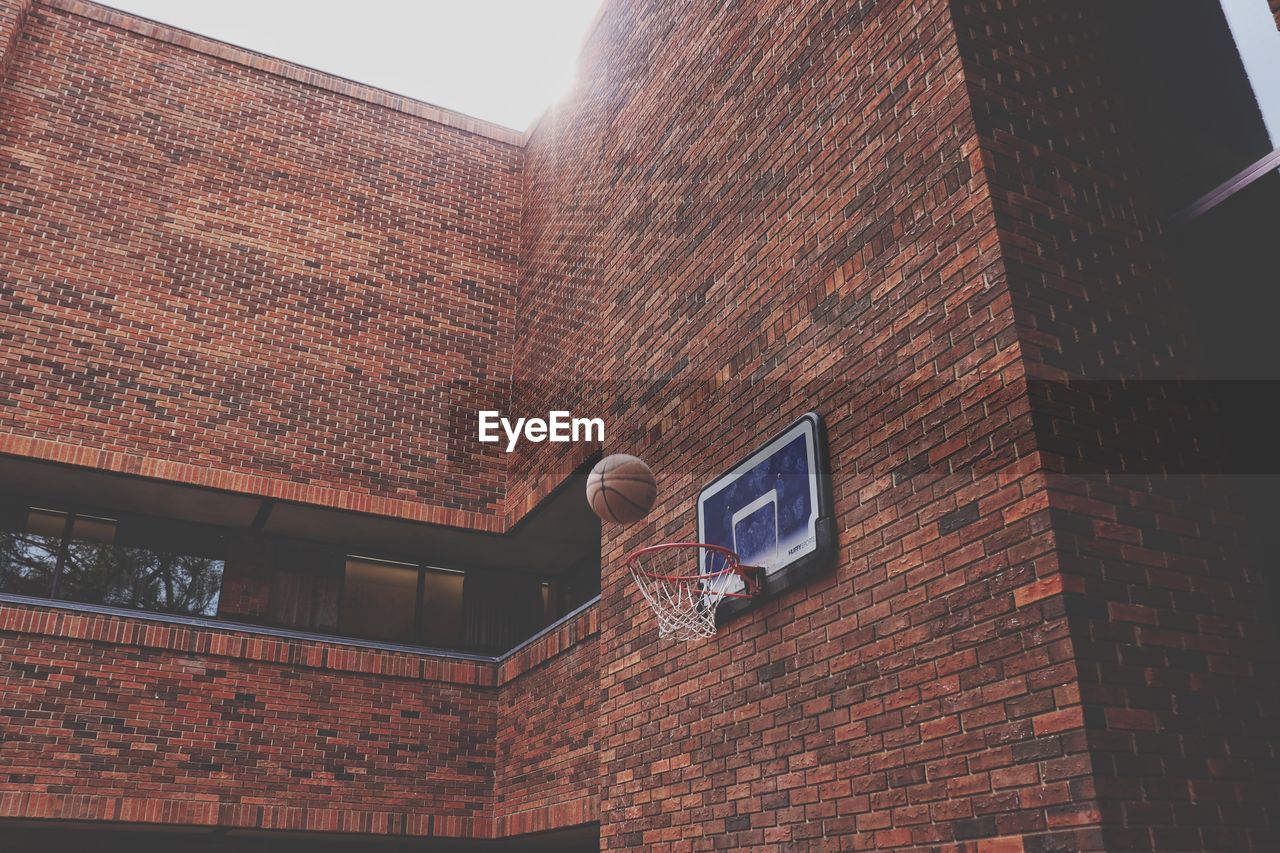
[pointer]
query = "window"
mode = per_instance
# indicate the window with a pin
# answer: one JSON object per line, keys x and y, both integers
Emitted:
{"x": 97, "y": 560}
{"x": 29, "y": 548}
{"x": 501, "y": 609}
{"x": 442, "y": 608}
{"x": 482, "y": 611}
{"x": 243, "y": 575}
{"x": 379, "y": 600}
{"x": 581, "y": 583}
{"x": 305, "y": 582}
{"x": 402, "y": 602}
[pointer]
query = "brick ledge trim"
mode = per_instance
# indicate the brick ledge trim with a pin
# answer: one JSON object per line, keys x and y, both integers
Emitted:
{"x": 51, "y": 621}
{"x": 214, "y": 813}
{"x": 231, "y": 641}
{"x": 546, "y": 818}
{"x": 288, "y": 70}
{"x": 256, "y": 485}
{"x": 551, "y": 645}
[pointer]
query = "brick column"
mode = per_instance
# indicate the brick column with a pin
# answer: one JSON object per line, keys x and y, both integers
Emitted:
{"x": 1174, "y": 653}
{"x": 823, "y": 207}
{"x": 13, "y": 14}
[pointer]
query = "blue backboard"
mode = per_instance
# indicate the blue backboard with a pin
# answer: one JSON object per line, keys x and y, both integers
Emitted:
{"x": 774, "y": 508}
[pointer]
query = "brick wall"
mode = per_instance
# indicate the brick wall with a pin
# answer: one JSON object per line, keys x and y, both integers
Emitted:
{"x": 1168, "y": 612}
{"x": 548, "y": 763}
{"x": 920, "y": 219}
{"x": 219, "y": 268}
{"x": 119, "y": 719}
{"x": 116, "y": 719}
{"x": 786, "y": 193}
{"x": 1072, "y": 195}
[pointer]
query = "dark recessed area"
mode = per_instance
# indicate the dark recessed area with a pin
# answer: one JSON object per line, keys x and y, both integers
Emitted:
{"x": 86, "y": 537}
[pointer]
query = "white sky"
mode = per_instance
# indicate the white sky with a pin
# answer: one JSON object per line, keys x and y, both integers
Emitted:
{"x": 1258, "y": 40}
{"x": 501, "y": 60}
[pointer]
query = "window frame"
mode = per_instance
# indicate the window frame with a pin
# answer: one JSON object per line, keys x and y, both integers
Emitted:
{"x": 64, "y": 544}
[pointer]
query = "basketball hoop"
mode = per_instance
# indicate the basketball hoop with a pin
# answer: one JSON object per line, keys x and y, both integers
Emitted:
{"x": 685, "y": 603}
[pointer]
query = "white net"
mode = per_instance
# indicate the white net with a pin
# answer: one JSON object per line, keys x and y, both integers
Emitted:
{"x": 685, "y": 596}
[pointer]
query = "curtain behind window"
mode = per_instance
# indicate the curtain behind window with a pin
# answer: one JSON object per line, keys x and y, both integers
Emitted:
{"x": 305, "y": 586}
{"x": 500, "y": 610}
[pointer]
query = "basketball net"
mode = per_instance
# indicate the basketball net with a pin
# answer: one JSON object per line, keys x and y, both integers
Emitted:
{"x": 685, "y": 602}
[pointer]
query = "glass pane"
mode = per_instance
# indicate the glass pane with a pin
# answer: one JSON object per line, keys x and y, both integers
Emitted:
{"x": 91, "y": 566}
{"x": 99, "y": 571}
{"x": 379, "y": 600}
{"x": 501, "y": 610}
{"x": 442, "y": 609}
{"x": 142, "y": 579}
{"x": 582, "y": 583}
{"x": 304, "y": 581}
{"x": 29, "y": 552}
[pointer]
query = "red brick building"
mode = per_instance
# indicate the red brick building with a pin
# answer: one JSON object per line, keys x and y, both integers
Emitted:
{"x": 260, "y": 585}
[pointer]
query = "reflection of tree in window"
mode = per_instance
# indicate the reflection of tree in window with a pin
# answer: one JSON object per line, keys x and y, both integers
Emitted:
{"x": 29, "y": 551}
{"x": 98, "y": 568}
{"x": 141, "y": 578}
{"x": 103, "y": 567}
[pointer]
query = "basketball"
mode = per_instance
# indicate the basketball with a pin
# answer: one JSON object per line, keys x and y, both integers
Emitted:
{"x": 621, "y": 488}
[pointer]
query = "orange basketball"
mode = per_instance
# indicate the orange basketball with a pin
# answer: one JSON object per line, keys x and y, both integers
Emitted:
{"x": 621, "y": 488}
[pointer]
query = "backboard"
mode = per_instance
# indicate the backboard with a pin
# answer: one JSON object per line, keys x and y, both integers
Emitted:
{"x": 774, "y": 509}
